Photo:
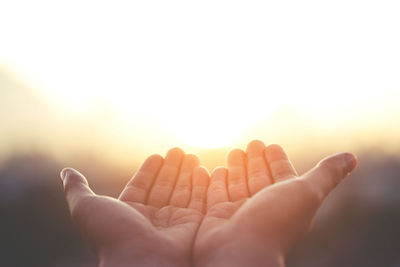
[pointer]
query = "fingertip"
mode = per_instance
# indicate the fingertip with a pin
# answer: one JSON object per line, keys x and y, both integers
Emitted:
{"x": 174, "y": 156}
{"x": 202, "y": 175}
{"x": 63, "y": 173}
{"x": 351, "y": 162}
{"x": 154, "y": 161}
{"x": 340, "y": 163}
{"x": 274, "y": 147}
{"x": 255, "y": 143}
{"x": 192, "y": 158}
{"x": 70, "y": 175}
{"x": 75, "y": 185}
{"x": 274, "y": 152}
{"x": 152, "y": 164}
{"x": 67, "y": 172}
{"x": 175, "y": 151}
{"x": 236, "y": 152}
{"x": 202, "y": 169}
{"x": 236, "y": 157}
{"x": 156, "y": 158}
{"x": 255, "y": 148}
{"x": 189, "y": 163}
{"x": 219, "y": 171}
{"x": 331, "y": 170}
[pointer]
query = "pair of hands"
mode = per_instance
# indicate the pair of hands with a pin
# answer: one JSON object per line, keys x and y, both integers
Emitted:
{"x": 172, "y": 213}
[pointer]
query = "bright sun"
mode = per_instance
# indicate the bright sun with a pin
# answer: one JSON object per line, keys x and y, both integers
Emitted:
{"x": 206, "y": 126}
{"x": 206, "y": 133}
{"x": 214, "y": 118}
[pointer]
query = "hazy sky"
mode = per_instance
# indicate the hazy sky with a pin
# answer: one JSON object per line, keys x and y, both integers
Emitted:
{"x": 200, "y": 74}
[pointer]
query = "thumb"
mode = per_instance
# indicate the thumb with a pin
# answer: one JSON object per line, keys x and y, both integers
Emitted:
{"x": 75, "y": 187}
{"x": 330, "y": 171}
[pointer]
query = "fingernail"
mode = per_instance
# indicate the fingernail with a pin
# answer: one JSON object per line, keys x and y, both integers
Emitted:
{"x": 351, "y": 162}
{"x": 63, "y": 173}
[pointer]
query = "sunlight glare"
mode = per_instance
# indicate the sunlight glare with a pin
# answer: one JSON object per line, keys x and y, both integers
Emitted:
{"x": 206, "y": 72}
{"x": 214, "y": 118}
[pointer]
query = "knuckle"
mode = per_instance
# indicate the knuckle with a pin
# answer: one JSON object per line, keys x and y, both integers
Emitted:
{"x": 332, "y": 166}
{"x": 217, "y": 186}
{"x": 283, "y": 175}
{"x": 183, "y": 187}
{"x": 81, "y": 208}
{"x": 235, "y": 180}
{"x": 216, "y": 189}
{"x": 311, "y": 191}
{"x": 257, "y": 172}
{"x": 141, "y": 185}
{"x": 163, "y": 182}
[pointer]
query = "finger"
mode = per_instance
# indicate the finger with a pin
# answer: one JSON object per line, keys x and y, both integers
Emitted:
{"x": 237, "y": 181}
{"x": 280, "y": 166}
{"x": 165, "y": 181}
{"x": 217, "y": 190}
{"x": 139, "y": 186}
{"x": 199, "y": 189}
{"x": 76, "y": 187}
{"x": 330, "y": 172}
{"x": 258, "y": 175}
{"x": 183, "y": 188}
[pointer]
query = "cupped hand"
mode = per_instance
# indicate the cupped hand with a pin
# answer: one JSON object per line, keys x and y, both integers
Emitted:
{"x": 259, "y": 207}
{"x": 155, "y": 219}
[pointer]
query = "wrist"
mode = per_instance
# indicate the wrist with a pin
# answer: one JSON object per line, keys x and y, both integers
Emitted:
{"x": 241, "y": 254}
{"x": 151, "y": 260}
{"x": 129, "y": 258}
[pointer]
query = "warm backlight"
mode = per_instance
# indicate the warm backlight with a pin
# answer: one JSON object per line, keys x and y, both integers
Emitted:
{"x": 203, "y": 73}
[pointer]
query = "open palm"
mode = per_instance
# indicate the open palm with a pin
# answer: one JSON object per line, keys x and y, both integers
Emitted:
{"x": 259, "y": 207}
{"x": 155, "y": 219}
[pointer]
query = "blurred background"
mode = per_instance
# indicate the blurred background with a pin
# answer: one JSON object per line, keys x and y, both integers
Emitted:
{"x": 101, "y": 85}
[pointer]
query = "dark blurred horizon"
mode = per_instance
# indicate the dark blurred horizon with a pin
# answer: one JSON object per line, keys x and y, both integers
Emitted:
{"x": 357, "y": 226}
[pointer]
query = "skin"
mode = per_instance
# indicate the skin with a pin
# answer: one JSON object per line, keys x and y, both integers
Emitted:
{"x": 155, "y": 219}
{"x": 172, "y": 214}
{"x": 259, "y": 207}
